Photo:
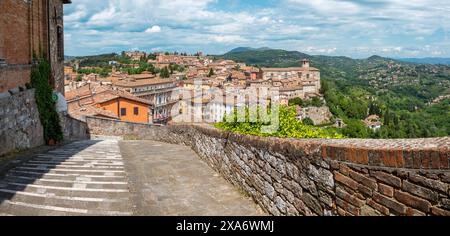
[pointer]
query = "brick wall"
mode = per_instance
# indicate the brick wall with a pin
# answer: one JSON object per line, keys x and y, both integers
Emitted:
{"x": 23, "y": 31}
{"x": 316, "y": 176}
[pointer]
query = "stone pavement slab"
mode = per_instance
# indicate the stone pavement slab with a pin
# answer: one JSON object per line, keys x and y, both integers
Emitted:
{"x": 171, "y": 180}
{"x": 113, "y": 177}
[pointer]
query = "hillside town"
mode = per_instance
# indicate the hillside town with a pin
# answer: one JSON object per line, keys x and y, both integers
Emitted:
{"x": 156, "y": 94}
{"x": 101, "y": 135}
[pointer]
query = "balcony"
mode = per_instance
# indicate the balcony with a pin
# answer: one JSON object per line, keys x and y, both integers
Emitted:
{"x": 153, "y": 91}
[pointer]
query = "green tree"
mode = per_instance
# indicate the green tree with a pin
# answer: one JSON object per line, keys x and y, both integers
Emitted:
{"x": 164, "y": 73}
{"x": 308, "y": 121}
{"x": 296, "y": 102}
{"x": 211, "y": 72}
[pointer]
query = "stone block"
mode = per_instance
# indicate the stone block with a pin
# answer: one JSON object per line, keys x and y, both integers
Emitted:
{"x": 387, "y": 178}
{"x": 420, "y": 191}
{"x": 390, "y": 203}
{"x": 412, "y": 201}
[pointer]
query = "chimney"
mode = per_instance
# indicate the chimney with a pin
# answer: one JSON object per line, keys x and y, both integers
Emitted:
{"x": 305, "y": 63}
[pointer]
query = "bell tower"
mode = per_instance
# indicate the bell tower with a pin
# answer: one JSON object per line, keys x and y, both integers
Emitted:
{"x": 304, "y": 63}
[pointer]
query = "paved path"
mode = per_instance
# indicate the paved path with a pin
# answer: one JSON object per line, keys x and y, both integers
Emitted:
{"x": 171, "y": 180}
{"x": 139, "y": 178}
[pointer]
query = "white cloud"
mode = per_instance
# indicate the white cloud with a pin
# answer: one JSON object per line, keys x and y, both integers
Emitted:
{"x": 351, "y": 27}
{"x": 153, "y": 29}
{"x": 228, "y": 39}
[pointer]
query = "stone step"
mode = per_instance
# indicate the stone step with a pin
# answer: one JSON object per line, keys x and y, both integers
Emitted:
{"x": 65, "y": 158}
{"x": 80, "y": 183}
{"x": 30, "y": 209}
{"x": 120, "y": 204}
{"x": 70, "y": 171}
{"x": 67, "y": 192}
{"x": 67, "y": 176}
{"x": 74, "y": 167}
{"x": 72, "y": 162}
{"x": 67, "y": 179}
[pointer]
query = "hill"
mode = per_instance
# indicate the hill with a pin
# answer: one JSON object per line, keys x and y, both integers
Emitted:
{"x": 401, "y": 93}
{"x": 427, "y": 60}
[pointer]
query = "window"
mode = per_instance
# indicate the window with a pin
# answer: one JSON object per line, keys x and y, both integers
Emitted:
{"x": 136, "y": 111}
{"x": 307, "y": 76}
{"x": 123, "y": 111}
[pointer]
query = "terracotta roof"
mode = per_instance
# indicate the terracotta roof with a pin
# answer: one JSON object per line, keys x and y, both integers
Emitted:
{"x": 143, "y": 82}
{"x": 99, "y": 94}
{"x": 82, "y": 112}
{"x": 109, "y": 95}
{"x": 289, "y": 69}
{"x": 372, "y": 120}
{"x": 142, "y": 76}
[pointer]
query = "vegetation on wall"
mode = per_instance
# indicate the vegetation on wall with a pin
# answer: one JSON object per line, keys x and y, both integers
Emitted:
{"x": 289, "y": 126}
{"x": 40, "y": 77}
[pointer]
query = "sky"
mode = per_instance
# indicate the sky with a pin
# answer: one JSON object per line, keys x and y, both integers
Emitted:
{"x": 354, "y": 28}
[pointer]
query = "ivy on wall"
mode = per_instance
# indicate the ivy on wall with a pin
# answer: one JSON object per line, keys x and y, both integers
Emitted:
{"x": 40, "y": 76}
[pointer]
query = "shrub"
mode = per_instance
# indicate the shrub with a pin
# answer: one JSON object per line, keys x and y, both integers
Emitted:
{"x": 289, "y": 127}
{"x": 44, "y": 98}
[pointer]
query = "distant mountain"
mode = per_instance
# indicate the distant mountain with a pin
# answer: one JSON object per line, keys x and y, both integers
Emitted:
{"x": 68, "y": 58}
{"x": 427, "y": 60}
{"x": 247, "y": 49}
{"x": 241, "y": 49}
{"x": 265, "y": 56}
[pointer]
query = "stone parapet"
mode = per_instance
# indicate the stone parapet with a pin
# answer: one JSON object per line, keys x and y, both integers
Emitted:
{"x": 316, "y": 176}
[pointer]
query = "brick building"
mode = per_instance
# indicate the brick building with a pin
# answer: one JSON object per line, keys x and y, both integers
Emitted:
{"x": 30, "y": 27}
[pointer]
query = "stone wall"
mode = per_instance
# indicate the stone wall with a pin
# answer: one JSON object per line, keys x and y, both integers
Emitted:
{"x": 20, "y": 127}
{"x": 319, "y": 115}
{"x": 73, "y": 129}
{"x": 316, "y": 176}
{"x": 57, "y": 46}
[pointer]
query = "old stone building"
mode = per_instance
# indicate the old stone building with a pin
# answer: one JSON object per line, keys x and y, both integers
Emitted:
{"x": 27, "y": 28}
{"x": 305, "y": 76}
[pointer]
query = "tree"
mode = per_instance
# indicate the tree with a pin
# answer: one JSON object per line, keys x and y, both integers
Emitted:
{"x": 316, "y": 102}
{"x": 296, "y": 102}
{"x": 374, "y": 109}
{"x": 79, "y": 78}
{"x": 211, "y": 72}
{"x": 308, "y": 121}
{"x": 164, "y": 73}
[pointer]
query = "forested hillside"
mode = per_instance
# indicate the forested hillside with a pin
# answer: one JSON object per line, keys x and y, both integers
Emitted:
{"x": 407, "y": 96}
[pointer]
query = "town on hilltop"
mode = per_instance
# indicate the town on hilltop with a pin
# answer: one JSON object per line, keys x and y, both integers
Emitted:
{"x": 147, "y": 88}
{"x": 252, "y": 132}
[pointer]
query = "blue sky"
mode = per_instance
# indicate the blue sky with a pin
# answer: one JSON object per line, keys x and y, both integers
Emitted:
{"x": 355, "y": 28}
